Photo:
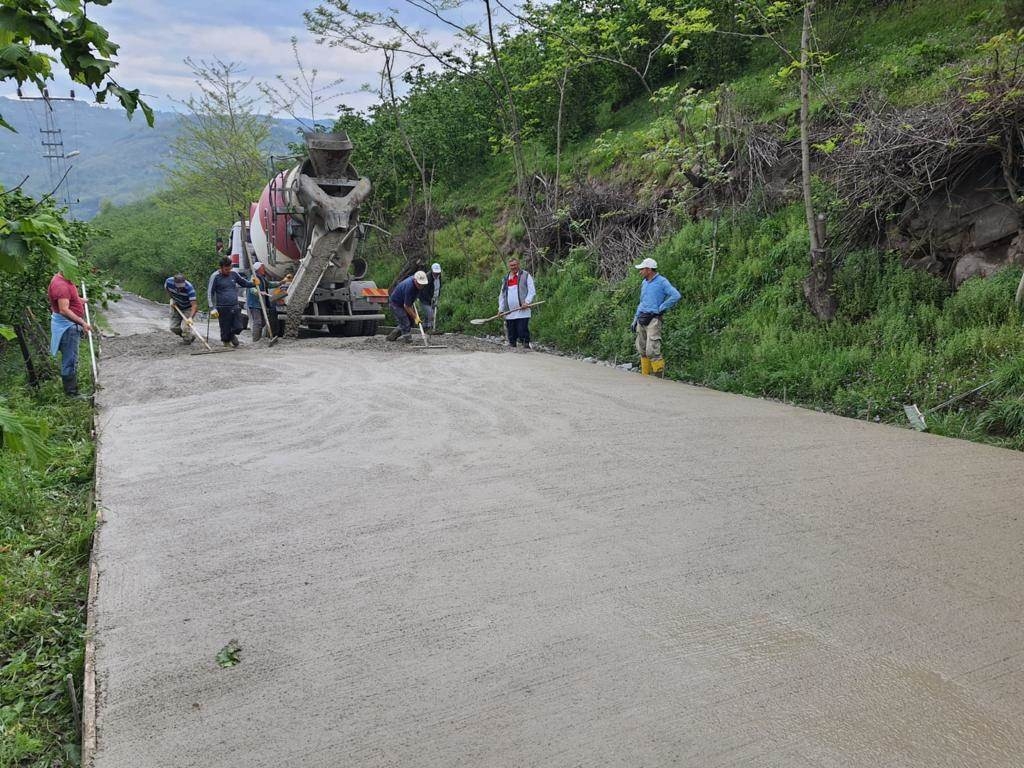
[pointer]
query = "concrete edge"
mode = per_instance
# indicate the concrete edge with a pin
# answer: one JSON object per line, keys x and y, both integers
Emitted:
{"x": 89, "y": 699}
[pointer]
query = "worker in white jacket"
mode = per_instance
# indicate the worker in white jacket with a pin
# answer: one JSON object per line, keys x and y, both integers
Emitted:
{"x": 517, "y": 293}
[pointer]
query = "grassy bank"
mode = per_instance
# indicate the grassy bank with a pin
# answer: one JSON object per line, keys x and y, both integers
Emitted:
{"x": 45, "y": 536}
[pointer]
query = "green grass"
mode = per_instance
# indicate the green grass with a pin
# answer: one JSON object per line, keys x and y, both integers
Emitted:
{"x": 45, "y": 538}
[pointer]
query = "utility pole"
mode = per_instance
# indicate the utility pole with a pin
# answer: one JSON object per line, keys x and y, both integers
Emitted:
{"x": 53, "y": 147}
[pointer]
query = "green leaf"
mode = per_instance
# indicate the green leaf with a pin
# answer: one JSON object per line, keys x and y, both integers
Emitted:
{"x": 228, "y": 655}
{"x": 25, "y": 435}
{"x": 7, "y": 332}
{"x": 13, "y": 252}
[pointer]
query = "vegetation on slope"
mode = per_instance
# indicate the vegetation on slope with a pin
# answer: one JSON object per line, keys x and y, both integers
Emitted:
{"x": 742, "y": 325}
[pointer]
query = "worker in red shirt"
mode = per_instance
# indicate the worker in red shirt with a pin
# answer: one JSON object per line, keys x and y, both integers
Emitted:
{"x": 67, "y": 323}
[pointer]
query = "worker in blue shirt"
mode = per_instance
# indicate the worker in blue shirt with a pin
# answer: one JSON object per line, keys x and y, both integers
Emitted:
{"x": 402, "y": 301}
{"x": 183, "y": 297}
{"x": 222, "y": 296}
{"x": 657, "y": 296}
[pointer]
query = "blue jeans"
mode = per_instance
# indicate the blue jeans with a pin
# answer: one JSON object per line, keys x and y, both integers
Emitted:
{"x": 69, "y": 350}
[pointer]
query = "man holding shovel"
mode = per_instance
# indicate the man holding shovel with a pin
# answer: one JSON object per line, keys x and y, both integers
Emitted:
{"x": 402, "y": 302}
{"x": 222, "y": 296}
{"x": 183, "y": 306}
{"x": 517, "y": 293}
{"x": 657, "y": 296}
{"x": 261, "y": 284}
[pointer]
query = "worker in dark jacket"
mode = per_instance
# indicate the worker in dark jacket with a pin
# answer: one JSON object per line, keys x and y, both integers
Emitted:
{"x": 402, "y": 302}
{"x": 222, "y": 296}
{"x": 261, "y": 284}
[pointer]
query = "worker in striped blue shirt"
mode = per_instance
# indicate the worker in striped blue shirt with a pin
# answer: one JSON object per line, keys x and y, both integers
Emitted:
{"x": 657, "y": 296}
{"x": 183, "y": 302}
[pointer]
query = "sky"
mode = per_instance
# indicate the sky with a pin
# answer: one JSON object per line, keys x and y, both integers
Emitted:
{"x": 157, "y": 35}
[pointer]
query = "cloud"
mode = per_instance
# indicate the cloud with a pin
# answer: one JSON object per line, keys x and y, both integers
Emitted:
{"x": 155, "y": 36}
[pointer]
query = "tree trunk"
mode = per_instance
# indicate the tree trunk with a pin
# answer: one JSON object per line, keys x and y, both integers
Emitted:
{"x": 818, "y": 285}
{"x": 30, "y": 369}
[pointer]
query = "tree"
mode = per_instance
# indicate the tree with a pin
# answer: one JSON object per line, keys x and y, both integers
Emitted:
{"x": 300, "y": 94}
{"x": 82, "y": 46}
{"x": 218, "y": 152}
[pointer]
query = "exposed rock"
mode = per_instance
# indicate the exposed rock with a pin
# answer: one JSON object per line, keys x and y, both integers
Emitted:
{"x": 975, "y": 264}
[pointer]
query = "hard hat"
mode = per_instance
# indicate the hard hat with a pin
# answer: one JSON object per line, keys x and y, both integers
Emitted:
{"x": 420, "y": 278}
{"x": 647, "y": 264}
{"x": 435, "y": 268}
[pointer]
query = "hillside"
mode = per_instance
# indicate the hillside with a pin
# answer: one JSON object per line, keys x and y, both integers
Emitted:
{"x": 119, "y": 160}
{"x": 705, "y": 178}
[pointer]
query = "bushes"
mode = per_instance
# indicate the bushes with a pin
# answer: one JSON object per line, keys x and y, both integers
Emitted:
{"x": 45, "y": 535}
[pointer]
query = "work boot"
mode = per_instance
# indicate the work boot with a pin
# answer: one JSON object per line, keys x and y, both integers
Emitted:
{"x": 186, "y": 340}
{"x": 407, "y": 338}
{"x": 645, "y": 366}
{"x": 393, "y": 336}
{"x": 227, "y": 343}
{"x": 526, "y": 346}
{"x": 234, "y": 341}
{"x": 658, "y": 368}
{"x": 71, "y": 387}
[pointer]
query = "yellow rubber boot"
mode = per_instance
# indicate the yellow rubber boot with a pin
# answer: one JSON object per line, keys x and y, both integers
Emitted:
{"x": 658, "y": 368}
{"x": 645, "y": 366}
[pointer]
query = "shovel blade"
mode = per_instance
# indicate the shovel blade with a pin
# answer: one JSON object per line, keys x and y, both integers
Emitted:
{"x": 915, "y": 417}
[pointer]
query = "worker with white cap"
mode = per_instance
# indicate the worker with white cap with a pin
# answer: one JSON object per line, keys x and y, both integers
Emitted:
{"x": 428, "y": 296}
{"x": 657, "y": 296}
{"x": 261, "y": 284}
{"x": 402, "y": 301}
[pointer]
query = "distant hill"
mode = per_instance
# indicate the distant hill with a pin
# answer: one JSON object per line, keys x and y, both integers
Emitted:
{"x": 119, "y": 160}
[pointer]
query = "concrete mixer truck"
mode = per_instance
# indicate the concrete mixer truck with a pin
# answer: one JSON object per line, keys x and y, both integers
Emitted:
{"x": 306, "y": 225}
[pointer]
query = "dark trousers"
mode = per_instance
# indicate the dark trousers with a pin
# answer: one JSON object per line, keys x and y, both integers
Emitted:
{"x": 230, "y": 321}
{"x": 402, "y": 319}
{"x": 518, "y": 329}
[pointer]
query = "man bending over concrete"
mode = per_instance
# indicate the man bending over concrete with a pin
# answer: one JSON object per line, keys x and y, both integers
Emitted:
{"x": 183, "y": 297}
{"x": 402, "y": 302}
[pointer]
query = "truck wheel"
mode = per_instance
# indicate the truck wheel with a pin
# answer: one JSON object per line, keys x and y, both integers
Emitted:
{"x": 352, "y": 328}
{"x": 337, "y": 329}
{"x": 369, "y": 327}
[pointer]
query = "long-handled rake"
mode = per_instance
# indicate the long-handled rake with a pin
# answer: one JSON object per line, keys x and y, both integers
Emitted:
{"x": 917, "y": 417}
{"x": 195, "y": 332}
{"x": 426, "y": 344}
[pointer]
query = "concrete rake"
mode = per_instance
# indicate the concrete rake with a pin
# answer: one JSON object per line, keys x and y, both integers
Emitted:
{"x": 916, "y": 416}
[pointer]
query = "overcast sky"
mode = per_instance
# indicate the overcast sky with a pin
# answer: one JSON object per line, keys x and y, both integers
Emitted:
{"x": 156, "y": 35}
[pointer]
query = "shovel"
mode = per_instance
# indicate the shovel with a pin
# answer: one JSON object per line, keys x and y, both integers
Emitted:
{"x": 192, "y": 328}
{"x": 916, "y": 416}
{"x": 482, "y": 320}
{"x": 266, "y": 316}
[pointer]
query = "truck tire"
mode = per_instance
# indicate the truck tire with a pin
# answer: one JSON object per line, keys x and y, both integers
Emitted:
{"x": 370, "y": 327}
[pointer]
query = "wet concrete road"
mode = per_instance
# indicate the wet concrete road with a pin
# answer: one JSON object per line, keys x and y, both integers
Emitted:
{"x": 482, "y": 559}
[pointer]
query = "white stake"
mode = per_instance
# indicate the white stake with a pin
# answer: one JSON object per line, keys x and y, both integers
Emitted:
{"x": 92, "y": 350}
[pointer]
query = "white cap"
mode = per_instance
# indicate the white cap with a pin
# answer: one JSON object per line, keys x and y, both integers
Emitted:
{"x": 256, "y": 266}
{"x": 420, "y": 278}
{"x": 647, "y": 264}
{"x": 435, "y": 268}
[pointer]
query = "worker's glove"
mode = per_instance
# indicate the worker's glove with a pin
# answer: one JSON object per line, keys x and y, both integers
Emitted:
{"x": 188, "y": 321}
{"x": 214, "y": 314}
{"x": 255, "y": 280}
{"x": 632, "y": 326}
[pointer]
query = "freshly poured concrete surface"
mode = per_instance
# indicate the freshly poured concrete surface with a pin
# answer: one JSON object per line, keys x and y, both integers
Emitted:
{"x": 481, "y": 559}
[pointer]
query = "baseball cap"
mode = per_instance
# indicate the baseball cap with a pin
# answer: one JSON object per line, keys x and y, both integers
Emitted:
{"x": 420, "y": 278}
{"x": 647, "y": 264}
{"x": 435, "y": 268}
{"x": 179, "y": 279}
{"x": 256, "y": 266}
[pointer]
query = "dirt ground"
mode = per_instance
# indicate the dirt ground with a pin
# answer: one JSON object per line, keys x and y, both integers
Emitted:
{"x": 480, "y": 558}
